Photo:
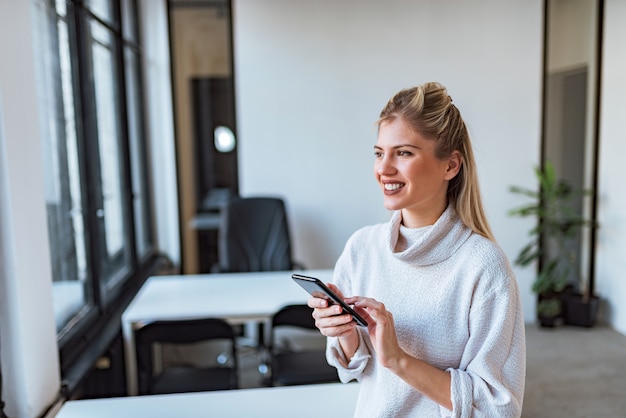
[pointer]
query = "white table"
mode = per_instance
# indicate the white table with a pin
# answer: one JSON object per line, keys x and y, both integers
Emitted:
{"x": 237, "y": 297}
{"x": 331, "y": 400}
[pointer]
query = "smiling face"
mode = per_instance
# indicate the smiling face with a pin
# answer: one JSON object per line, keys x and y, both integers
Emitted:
{"x": 411, "y": 177}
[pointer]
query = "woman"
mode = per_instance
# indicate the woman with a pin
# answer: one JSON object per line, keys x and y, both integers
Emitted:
{"x": 445, "y": 333}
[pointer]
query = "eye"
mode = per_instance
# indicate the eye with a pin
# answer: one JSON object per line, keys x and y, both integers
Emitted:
{"x": 378, "y": 154}
{"x": 404, "y": 153}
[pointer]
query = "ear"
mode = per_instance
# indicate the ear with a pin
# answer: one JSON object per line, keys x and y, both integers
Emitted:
{"x": 454, "y": 165}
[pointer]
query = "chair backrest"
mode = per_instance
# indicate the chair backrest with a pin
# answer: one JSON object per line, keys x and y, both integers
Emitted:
{"x": 294, "y": 315}
{"x": 178, "y": 332}
{"x": 297, "y": 349}
{"x": 254, "y": 236}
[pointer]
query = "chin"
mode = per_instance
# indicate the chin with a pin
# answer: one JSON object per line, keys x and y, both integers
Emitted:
{"x": 392, "y": 205}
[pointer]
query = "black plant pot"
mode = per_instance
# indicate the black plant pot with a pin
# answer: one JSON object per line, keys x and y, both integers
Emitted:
{"x": 578, "y": 312}
{"x": 549, "y": 309}
{"x": 548, "y": 321}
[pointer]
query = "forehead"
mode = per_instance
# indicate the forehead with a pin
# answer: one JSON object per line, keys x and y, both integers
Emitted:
{"x": 397, "y": 131}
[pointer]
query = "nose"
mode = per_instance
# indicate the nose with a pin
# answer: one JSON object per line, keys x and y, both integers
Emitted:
{"x": 385, "y": 166}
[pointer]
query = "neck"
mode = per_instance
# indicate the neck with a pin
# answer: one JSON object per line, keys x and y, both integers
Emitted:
{"x": 412, "y": 218}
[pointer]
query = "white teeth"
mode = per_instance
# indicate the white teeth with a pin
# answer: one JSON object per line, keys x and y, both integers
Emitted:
{"x": 394, "y": 186}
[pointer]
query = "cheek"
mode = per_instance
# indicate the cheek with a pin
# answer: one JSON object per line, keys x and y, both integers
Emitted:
{"x": 428, "y": 169}
{"x": 416, "y": 171}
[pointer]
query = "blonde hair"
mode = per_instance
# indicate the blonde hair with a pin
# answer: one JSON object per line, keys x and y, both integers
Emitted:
{"x": 428, "y": 109}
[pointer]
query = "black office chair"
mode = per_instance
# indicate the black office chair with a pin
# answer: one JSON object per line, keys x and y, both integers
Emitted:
{"x": 184, "y": 377}
{"x": 254, "y": 236}
{"x": 293, "y": 359}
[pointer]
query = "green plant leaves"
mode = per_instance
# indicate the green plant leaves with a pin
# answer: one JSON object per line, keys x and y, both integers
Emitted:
{"x": 549, "y": 307}
{"x": 558, "y": 224}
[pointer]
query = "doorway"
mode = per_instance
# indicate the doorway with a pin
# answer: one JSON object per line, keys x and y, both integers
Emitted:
{"x": 205, "y": 123}
{"x": 571, "y": 96}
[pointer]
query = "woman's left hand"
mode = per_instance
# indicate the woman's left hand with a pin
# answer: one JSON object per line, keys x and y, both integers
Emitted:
{"x": 381, "y": 329}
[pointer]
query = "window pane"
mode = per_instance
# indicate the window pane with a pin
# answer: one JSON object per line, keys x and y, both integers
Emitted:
{"x": 102, "y": 9}
{"x": 71, "y": 290}
{"x": 143, "y": 235}
{"x": 61, "y": 7}
{"x": 73, "y": 168}
{"x": 129, "y": 20}
{"x": 116, "y": 254}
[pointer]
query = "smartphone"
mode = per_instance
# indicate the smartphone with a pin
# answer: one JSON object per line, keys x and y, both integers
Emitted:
{"x": 317, "y": 288}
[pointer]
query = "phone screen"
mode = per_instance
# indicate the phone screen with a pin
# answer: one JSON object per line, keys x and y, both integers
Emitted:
{"x": 318, "y": 289}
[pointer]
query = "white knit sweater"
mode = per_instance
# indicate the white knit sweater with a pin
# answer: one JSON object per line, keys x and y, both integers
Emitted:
{"x": 455, "y": 304}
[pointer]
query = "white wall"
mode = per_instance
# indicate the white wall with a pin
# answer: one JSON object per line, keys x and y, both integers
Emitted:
{"x": 311, "y": 78}
{"x": 28, "y": 348}
{"x": 611, "y": 246}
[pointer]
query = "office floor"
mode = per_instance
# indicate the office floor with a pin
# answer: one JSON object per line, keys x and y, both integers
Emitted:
{"x": 249, "y": 376}
{"x": 571, "y": 372}
{"x": 575, "y": 372}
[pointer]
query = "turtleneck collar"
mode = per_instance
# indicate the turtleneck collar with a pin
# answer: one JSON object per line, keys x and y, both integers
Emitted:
{"x": 437, "y": 243}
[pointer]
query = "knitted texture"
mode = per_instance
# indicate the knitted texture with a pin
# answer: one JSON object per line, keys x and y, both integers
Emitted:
{"x": 456, "y": 305}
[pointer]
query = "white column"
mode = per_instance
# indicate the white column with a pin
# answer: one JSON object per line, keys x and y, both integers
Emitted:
{"x": 28, "y": 346}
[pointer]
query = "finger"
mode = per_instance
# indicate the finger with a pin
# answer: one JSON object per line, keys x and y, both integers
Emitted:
{"x": 371, "y": 308}
{"x": 352, "y": 299}
{"x": 344, "y": 329}
{"x": 314, "y": 302}
{"x": 338, "y": 331}
{"x": 336, "y": 290}
{"x": 333, "y": 320}
{"x": 341, "y": 327}
{"x": 369, "y": 303}
{"x": 321, "y": 313}
{"x": 375, "y": 310}
{"x": 330, "y": 312}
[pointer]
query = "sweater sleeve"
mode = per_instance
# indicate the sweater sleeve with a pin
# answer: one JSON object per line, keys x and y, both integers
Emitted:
{"x": 353, "y": 368}
{"x": 348, "y": 369}
{"x": 490, "y": 379}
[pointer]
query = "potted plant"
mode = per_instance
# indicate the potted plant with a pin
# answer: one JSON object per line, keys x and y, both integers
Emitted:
{"x": 553, "y": 245}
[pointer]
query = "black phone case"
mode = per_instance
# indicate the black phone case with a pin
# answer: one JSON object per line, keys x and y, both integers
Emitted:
{"x": 315, "y": 287}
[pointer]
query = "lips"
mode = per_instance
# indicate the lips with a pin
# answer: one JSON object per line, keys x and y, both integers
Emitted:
{"x": 393, "y": 186}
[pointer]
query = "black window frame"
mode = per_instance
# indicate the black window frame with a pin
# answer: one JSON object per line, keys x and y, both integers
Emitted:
{"x": 94, "y": 327}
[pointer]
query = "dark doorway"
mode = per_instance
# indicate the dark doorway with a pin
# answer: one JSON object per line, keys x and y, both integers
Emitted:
{"x": 204, "y": 107}
{"x": 216, "y": 169}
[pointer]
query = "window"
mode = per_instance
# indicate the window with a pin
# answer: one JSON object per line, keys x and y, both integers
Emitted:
{"x": 136, "y": 133}
{"x": 64, "y": 170}
{"x": 97, "y": 195}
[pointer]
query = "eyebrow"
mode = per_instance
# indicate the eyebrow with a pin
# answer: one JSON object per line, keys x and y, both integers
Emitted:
{"x": 399, "y": 146}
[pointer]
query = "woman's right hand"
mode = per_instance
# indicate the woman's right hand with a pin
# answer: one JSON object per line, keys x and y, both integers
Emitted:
{"x": 333, "y": 322}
